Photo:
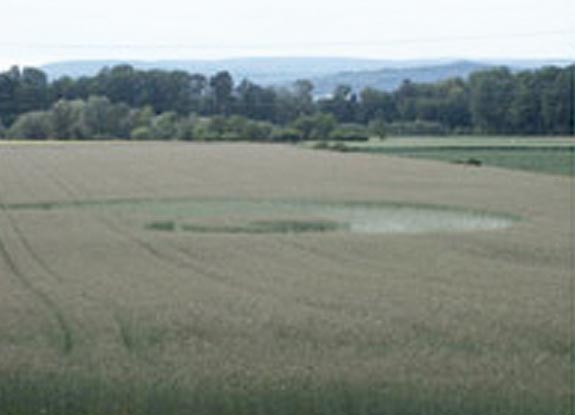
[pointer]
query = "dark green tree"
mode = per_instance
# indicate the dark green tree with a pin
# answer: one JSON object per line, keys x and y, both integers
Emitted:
{"x": 375, "y": 104}
{"x": 491, "y": 99}
{"x": 222, "y": 85}
{"x": 342, "y": 105}
{"x": 405, "y": 101}
{"x": 9, "y": 86}
{"x": 32, "y": 93}
{"x": 2, "y": 129}
{"x": 525, "y": 108}
{"x": 557, "y": 100}
{"x": 255, "y": 102}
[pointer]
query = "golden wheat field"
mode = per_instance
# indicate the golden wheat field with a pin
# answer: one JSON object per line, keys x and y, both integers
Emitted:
{"x": 174, "y": 278}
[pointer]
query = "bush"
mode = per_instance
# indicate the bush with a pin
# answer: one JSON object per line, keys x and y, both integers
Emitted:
{"x": 230, "y": 136}
{"x": 341, "y": 147}
{"x": 286, "y": 135}
{"x": 315, "y": 127}
{"x": 417, "y": 128}
{"x": 141, "y": 117}
{"x": 217, "y": 126}
{"x": 321, "y": 145}
{"x": 186, "y": 129}
{"x": 326, "y": 145}
{"x": 233, "y": 128}
{"x": 32, "y": 125}
{"x": 141, "y": 133}
{"x": 378, "y": 128}
{"x": 66, "y": 119}
{"x": 164, "y": 126}
{"x": 257, "y": 130}
{"x": 350, "y": 132}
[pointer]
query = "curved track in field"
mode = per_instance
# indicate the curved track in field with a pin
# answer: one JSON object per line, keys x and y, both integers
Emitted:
{"x": 58, "y": 315}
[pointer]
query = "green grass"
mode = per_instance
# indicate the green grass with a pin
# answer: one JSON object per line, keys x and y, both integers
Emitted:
{"x": 467, "y": 141}
{"x": 541, "y": 155}
{"x": 541, "y": 160}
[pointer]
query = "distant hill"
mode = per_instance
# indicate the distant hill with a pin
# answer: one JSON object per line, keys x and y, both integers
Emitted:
{"x": 265, "y": 71}
{"x": 389, "y": 79}
{"x": 325, "y": 72}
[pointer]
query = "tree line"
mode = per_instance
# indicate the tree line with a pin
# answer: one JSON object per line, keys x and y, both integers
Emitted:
{"x": 123, "y": 102}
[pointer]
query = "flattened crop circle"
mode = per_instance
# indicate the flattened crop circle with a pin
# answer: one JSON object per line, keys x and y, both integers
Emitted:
{"x": 269, "y": 216}
{"x": 280, "y": 216}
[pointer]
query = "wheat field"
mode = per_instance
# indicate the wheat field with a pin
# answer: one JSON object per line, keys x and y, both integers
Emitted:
{"x": 102, "y": 315}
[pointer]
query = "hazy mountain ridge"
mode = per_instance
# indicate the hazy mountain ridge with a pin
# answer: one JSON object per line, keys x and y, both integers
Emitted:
{"x": 261, "y": 70}
{"x": 388, "y": 79}
{"x": 325, "y": 72}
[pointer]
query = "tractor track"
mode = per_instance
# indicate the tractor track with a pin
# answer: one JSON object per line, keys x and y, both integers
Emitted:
{"x": 123, "y": 331}
{"x": 67, "y": 343}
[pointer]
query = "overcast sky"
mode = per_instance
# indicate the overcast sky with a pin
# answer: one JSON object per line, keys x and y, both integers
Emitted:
{"x": 34, "y": 32}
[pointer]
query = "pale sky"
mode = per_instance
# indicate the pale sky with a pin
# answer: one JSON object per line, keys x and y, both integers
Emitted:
{"x": 34, "y": 32}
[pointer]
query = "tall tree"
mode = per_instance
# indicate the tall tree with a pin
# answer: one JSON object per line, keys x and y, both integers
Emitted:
{"x": 9, "y": 86}
{"x": 405, "y": 101}
{"x": 222, "y": 86}
{"x": 491, "y": 100}
{"x": 342, "y": 104}
{"x": 525, "y": 109}
{"x": 255, "y": 101}
{"x": 375, "y": 104}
